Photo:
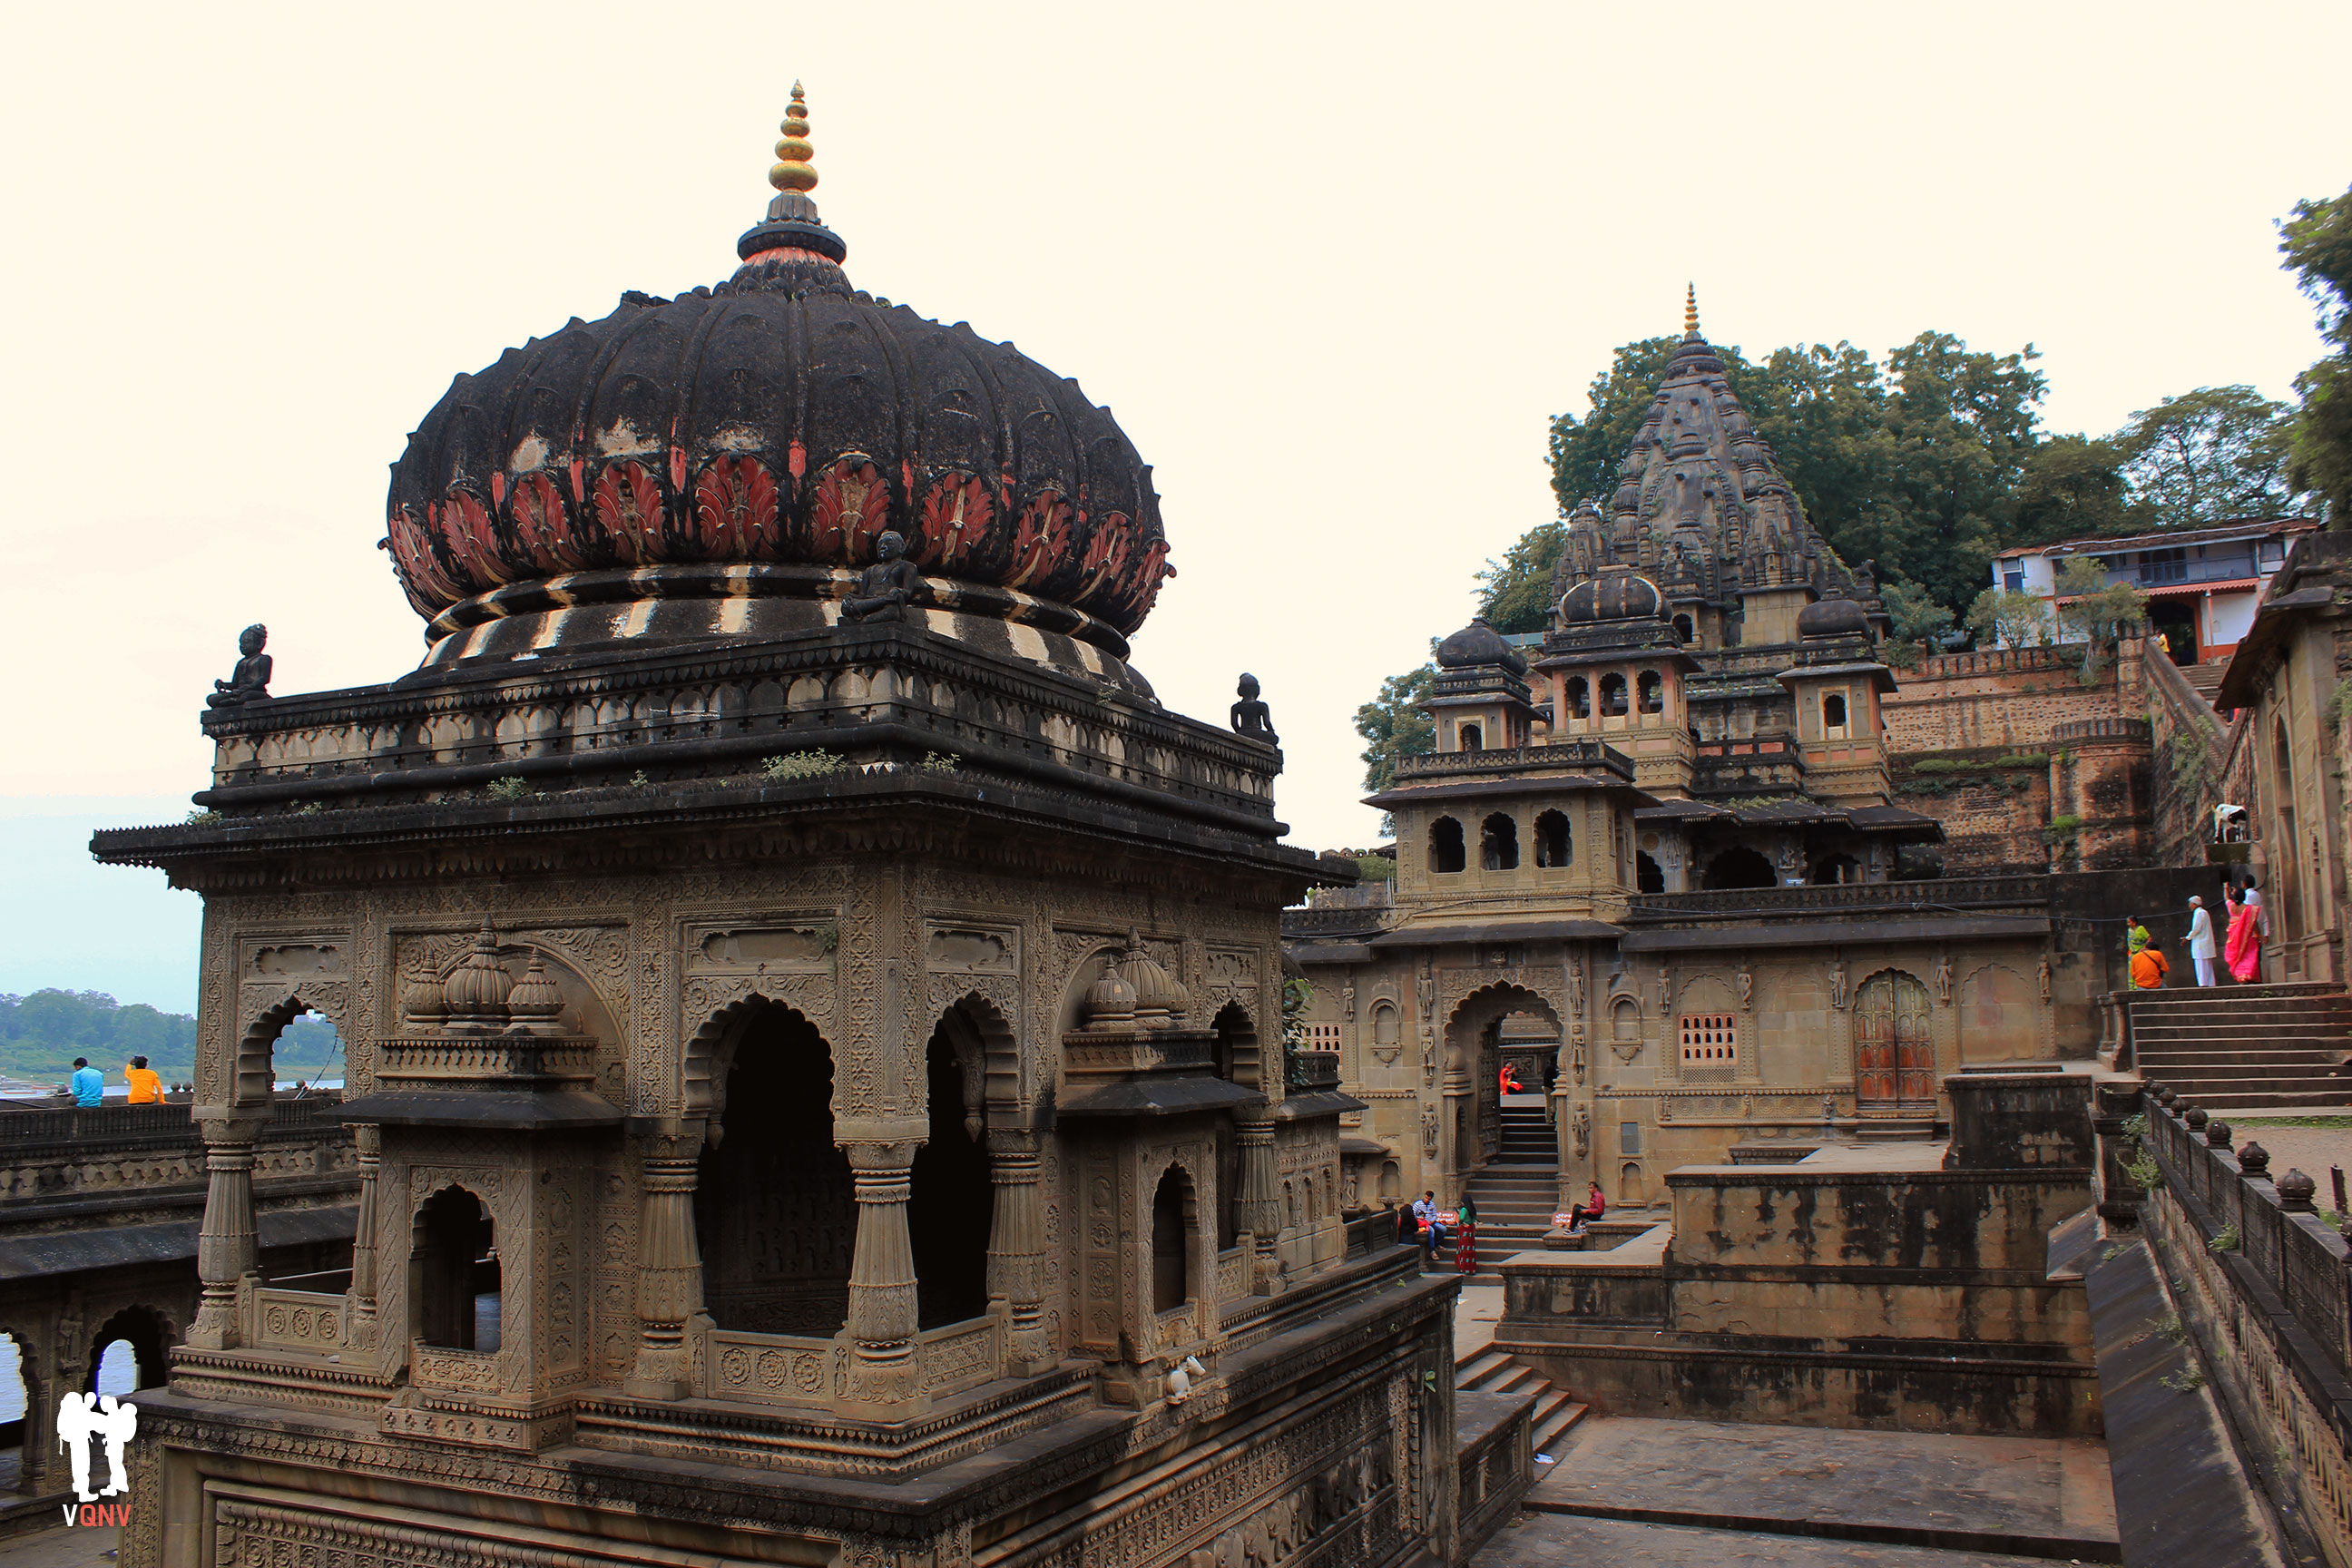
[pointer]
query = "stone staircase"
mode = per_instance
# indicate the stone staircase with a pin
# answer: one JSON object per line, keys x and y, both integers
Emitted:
{"x": 1489, "y": 1370}
{"x": 2234, "y": 1048}
{"x": 1517, "y": 1190}
{"x": 2205, "y": 679}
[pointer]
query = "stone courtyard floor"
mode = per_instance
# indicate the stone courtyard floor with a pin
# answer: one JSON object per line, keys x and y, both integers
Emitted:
{"x": 59, "y": 1547}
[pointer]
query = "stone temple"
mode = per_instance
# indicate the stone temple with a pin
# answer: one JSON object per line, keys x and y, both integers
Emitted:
{"x": 814, "y": 1020}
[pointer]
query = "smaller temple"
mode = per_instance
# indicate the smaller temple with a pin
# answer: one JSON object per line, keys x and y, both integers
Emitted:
{"x": 1662, "y": 837}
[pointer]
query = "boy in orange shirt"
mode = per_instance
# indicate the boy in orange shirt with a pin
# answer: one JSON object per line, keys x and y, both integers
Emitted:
{"x": 146, "y": 1084}
{"x": 2147, "y": 968}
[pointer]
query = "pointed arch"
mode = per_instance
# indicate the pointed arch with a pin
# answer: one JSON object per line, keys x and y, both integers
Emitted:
{"x": 989, "y": 1051}
{"x": 147, "y": 1331}
{"x": 1473, "y": 1046}
{"x": 710, "y": 1050}
{"x": 254, "y": 1078}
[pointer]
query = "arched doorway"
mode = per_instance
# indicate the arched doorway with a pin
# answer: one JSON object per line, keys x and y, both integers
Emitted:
{"x": 1893, "y": 1046}
{"x": 774, "y": 1207}
{"x": 16, "y": 1395}
{"x": 453, "y": 1273}
{"x": 950, "y": 1205}
{"x": 1236, "y": 1061}
{"x": 1474, "y": 1052}
{"x": 128, "y": 1352}
{"x": 1171, "y": 1249}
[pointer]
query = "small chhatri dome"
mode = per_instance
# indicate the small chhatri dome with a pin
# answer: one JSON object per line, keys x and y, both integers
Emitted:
{"x": 1618, "y": 594}
{"x": 720, "y": 465}
{"x": 1478, "y": 643}
{"x": 1835, "y": 616}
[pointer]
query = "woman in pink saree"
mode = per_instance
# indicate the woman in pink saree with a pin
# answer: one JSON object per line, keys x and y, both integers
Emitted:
{"x": 2244, "y": 949}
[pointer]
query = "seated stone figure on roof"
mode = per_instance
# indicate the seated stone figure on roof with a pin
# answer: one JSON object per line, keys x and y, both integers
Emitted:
{"x": 885, "y": 588}
{"x": 251, "y": 678}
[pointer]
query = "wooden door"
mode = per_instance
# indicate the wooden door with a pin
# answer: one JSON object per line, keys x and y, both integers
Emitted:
{"x": 1894, "y": 1048}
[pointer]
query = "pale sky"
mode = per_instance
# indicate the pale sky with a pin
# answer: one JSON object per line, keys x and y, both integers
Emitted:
{"x": 1332, "y": 266}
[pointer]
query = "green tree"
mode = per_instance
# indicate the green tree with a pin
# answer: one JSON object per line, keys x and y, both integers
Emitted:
{"x": 2101, "y": 610}
{"x": 1393, "y": 725}
{"x": 1515, "y": 593}
{"x": 1913, "y": 615}
{"x": 2010, "y": 617}
{"x": 2318, "y": 243}
{"x": 2208, "y": 457}
{"x": 2072, "y": 487}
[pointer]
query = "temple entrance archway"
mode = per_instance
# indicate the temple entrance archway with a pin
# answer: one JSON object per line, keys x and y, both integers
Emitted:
{"x": 774, "y": 1207}
{"x": 1738, "y": 866}
{"x": 1894, "y": 1046}
{"x": 1474, "y": 1060}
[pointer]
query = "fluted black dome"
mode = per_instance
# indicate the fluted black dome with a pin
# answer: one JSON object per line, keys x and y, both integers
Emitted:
{"x": 1611, "y": 597}
{"x": 779, "y": 422}
{"x": 1835, "y": 617}
{"x": 1478, "y": 643}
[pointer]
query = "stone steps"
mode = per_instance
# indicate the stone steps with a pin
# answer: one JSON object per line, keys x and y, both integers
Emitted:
{"x": 1491, "y": 1372}
{"x": 2242, "y": 1047}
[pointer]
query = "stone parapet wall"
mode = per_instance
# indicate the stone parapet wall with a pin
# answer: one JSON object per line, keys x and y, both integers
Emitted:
{"x": 2006, "y": 698}
{"x": 2264, "y": 1291}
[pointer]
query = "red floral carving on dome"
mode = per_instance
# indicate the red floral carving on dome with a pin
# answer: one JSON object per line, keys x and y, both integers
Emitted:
{"x": 419, "y": 566}
{"x": 543, "y": 522}
{"x": 628, "y": 504}
{"x": 957, "y": 511}
{"x": 471, "y": 535}
{"x": 852, "y": 510}
{"x": 1125, "y": 597}
{"x": 1040, "y": 540}
{"x": 1106, "y": 560}
{"x": 735, "y": 509}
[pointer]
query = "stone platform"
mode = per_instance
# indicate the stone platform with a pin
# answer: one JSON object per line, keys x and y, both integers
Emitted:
{"x": 1669, "y": 1491}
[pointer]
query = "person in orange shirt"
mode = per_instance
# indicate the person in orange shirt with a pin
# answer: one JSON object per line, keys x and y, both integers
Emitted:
{"x": 146, "y": 1084}
{"x": 2147, "y": 967}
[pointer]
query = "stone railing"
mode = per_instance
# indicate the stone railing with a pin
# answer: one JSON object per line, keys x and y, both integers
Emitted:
{"x": 296, "y": 1320}
{"x": 1234, "y": 1272}
{"x": 1854, "y": 898}
{"x": 1304, "y": 1069}
{"x": 1559, "y": 755}
{"x": 457, "y": 1371}
{"x": 960, "y": 1356}
{"x": 880, "y": 694}
{"x": 160, "y": 1125}
{"x": 769, "y": 1369}
{"x": 1362, "y": 896}
{"x": 2264, "y": 1284}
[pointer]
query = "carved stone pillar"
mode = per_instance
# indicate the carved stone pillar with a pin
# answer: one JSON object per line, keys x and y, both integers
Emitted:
{"x": 367, "y": 1140}
{"x": 1258, "y": 1206}
{"x": 882, "y": 1313}
{"x": 226, "y": 1250}
{"x": 1016, "y": 1247}
{"x": 669, "y": 1268}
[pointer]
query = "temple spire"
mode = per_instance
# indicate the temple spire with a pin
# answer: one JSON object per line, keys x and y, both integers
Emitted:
{"x": 791, "y": 248}
{"x": 1690, "y": 306}
{"x": 793, "y": 172}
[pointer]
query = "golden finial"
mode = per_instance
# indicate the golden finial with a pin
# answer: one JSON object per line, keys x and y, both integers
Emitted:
{"x": 1690, "y": 304}
{"x": 793, "y": 172}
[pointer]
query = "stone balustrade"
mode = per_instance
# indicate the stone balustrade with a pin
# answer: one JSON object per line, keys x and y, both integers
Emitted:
{"x": 296, "y": 1320}
{"x": 1560, "y": 755}
{"x": 2263, "y": 1287}
{"x": 1854, "y": 898}
{"x": 878, "y": 696}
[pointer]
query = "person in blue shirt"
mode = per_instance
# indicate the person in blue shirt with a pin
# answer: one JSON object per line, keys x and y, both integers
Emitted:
{"x": 88, "y": 1083}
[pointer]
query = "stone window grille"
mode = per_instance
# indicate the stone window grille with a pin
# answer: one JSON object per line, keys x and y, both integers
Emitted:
{"x": 1710, "y": 1039}
{"x": 1322, "y": 1037}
